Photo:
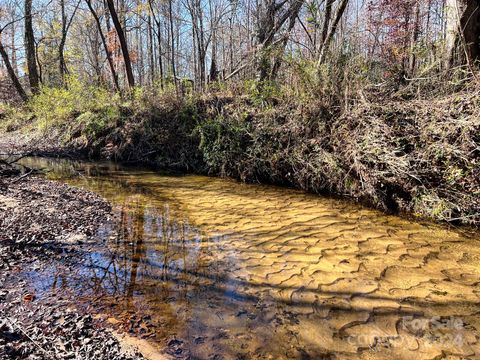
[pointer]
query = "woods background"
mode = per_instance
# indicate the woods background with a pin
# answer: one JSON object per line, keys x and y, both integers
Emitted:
{"x": 190, "y": 45}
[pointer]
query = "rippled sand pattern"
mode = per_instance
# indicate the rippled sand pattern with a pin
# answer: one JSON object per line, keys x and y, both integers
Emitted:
{"x": 235, "y": 271}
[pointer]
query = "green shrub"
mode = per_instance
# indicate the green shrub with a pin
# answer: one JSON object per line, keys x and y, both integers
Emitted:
{"x": 94, "y": 124}
{"x": 223, "y": 144}
{"x": 57, "y": 106}
{"x": 52, "y": 106}
{"x": 261, "y": 93}
{"x": 13, "y": 118}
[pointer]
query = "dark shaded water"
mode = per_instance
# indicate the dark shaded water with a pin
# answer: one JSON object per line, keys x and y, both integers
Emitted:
{"x": 209, "y": 268}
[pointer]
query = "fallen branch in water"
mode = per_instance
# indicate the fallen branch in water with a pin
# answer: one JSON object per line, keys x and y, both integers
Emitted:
{"x": 20, "y": 157}
{"x": 11, "y": 167}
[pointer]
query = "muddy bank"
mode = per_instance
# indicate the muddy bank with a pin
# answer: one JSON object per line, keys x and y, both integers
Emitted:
{"x": 43, "y": 223}
{"x": 417, "y": 157}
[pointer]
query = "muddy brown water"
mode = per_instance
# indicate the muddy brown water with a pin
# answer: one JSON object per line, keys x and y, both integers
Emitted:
{"x": 210, "y": 268}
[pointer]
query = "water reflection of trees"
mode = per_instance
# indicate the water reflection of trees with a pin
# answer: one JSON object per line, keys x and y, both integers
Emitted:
{"x": 159, "y": 265}
{"x": 153, "y": 257}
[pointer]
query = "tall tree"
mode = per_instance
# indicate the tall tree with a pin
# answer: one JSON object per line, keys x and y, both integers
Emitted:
{"x": 326, "y": 23}
{"x": 463, "y": 31}
{"x": 271, "y": 17}
{"x": 172, "y": 43}
{"x": 331, "y": 32}
{"x": 123, "y": 43}
{"x": 66, "y": 23}
{"x": 415, "y": 32}
{"x": 198, "y": 31}
{"x": 150, "y": 43}
{"x": 30, "y": 49}
{"x": 156, "y": 19}
{"x": 105, "y": 45}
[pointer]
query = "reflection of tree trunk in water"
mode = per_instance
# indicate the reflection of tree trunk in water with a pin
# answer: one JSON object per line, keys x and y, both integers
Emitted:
{"x": 166, "y": 239}
{"x": 138, "y": 248}
{"x": 115, "y": 275}
{"x": 184, "y": 249}
{"x": 54, "y": 284}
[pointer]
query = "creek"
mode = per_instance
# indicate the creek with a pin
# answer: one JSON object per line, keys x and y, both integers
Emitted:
{"x": 211, "y": 268}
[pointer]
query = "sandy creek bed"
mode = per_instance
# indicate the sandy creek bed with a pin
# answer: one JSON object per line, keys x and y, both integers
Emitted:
{"x": 209, "y": 268}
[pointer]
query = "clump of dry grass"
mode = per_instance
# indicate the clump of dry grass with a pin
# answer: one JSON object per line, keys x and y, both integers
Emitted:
{"x": 418, "y": 156}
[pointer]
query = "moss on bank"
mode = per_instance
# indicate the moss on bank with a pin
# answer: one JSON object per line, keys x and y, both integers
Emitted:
{"x": 414, "y": 156}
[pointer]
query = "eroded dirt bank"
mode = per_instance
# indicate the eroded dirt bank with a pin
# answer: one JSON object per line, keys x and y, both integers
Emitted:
{"x": 43, "y": 222}
{"x": 405, "y": 156}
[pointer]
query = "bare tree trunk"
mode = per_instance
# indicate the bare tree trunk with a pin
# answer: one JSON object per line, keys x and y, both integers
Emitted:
{"x": 105, "y": 45}
{"x": 172, "y": 39}
{"x": 331, "y": 33}
{"x": 195, "y": 53}
{"x": 462, "y": 32}
{"x": 61, "y": 59}
{"x": 452, "y": 30}
{"x": 30, "y": 49}
{"x": 278, "y": 60}
{"x": 61, "y": 49}
{"x": 12, "y": 44}
{"x": 213, "y": 28}
{"x": 139, "y": 46}
{"x": 40, "y": 70}
{"x": 196, "y": 12}
{"x": 271, "y": 18}
{"x": 97, "y": 63}
{"x": 159, "y": 40}
{"x": 406, "y": 42}
{"x": 427, "y": 33}
{"x": 107, "y": 16}
{"x": 414, "y": 38}
{"x": 230, "y": 43}
{"x": 326, "y": 23}
{"x": 151, "y": 58}
{"x": 123, "y": 43}
{"x": 160, "y": 55}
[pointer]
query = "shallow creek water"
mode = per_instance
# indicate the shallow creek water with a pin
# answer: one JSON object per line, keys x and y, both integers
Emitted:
{"x": 218, "y": 269}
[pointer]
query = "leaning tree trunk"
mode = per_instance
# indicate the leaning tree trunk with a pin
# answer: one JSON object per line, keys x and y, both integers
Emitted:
{"x": 331, "y": 33}
{"x": 271, "y": 18}
{"x": 463, "y": 32}
{"x": 66, "y": 23}
{"x": 11, "y": 73}
{"x": 123, "y": 43}
{"x": 105, "y": 45}
{"x": 326, "y": 23}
